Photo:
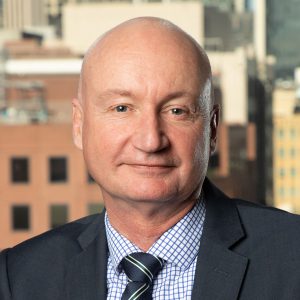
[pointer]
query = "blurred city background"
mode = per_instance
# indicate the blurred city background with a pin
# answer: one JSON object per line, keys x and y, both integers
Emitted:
{"x": 254, "y": 51}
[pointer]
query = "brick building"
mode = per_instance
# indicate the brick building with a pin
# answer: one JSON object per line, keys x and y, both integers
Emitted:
{"x": 43, "y": 183}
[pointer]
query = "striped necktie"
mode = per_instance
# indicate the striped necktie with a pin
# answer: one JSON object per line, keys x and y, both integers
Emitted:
{"x": 141, "y": 269}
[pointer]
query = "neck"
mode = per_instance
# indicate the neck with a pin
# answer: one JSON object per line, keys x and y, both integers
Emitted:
{"x": 143, "y": 224}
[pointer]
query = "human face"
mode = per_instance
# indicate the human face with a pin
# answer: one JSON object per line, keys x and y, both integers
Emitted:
{"x": 145, "y": 131}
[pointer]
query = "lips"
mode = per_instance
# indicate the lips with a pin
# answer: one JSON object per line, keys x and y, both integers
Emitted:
{"x": 153, "y": 168}
{"x": 151, "y": 165}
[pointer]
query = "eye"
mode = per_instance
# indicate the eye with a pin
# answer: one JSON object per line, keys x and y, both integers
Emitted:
{"x": 121, "y": 108}
{"x": 177, "y": 111}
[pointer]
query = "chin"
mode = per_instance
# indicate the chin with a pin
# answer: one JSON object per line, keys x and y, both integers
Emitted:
{"x": 152, "y": 193}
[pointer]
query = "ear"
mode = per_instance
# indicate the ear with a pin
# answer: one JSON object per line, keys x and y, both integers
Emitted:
{"x": 77, "y": 118}
{"x": 214, "y": 122}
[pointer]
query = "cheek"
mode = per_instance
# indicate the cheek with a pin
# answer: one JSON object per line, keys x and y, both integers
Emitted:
{"x": 201, "y": 154}
{"x": 93, "y": 144}
{"x": 195, "y": 147}
{"x": 102, "y": 141}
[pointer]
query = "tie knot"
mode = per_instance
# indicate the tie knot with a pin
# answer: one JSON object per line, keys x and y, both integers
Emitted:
{"x": 141, "y": 267}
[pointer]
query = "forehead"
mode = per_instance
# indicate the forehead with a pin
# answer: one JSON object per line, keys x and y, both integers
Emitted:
{"x": 162, "y": 59}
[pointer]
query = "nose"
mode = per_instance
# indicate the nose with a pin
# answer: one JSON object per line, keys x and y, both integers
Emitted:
{"x": 149, "y": 135}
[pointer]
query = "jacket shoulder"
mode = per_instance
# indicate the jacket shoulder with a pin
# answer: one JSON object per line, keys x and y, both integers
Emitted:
{"x": 267, "y": 227}
{"x": 265, "y": 215}
{"x": 63, "y": 238}
{"x": 46, "y": 253}
{"x": 38, "y": 266}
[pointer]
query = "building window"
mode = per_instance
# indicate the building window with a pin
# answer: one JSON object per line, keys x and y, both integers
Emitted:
{"x": 281, "y": 172}
{"x": 58, "y": 215}
{"x": 90, "y": 179}
{"x": 20, "y": 217}
{"x": 94, "y": 208}
{"x": 58, "y": 169}
{"x": 281, "y": 152}
{"x": 19, "y": 170}
{"x": 293, "y": 172}
{"x": 280, "y": 133}
{"x": 293, "y": 152}
{"x": 281, "y": 192}
{"x": 293, "y": 133}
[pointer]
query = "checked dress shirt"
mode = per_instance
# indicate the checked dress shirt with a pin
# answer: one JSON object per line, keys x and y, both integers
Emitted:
{"x": 179, "y": 247}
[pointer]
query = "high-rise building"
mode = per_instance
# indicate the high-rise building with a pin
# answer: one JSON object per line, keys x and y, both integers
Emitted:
{"x": 1, "y": 13}
{"x": 286, "y": 139}
{"x": 18, "y": 14}
{"x": 287, "y": 162}
{"x": 283, "y": 27}
{"x": 44, "y": 182}
{"x": 226, "y": 30}
{"x": 105, "y": 15}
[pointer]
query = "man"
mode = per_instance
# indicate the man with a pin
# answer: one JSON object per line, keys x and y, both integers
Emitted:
{"x": 146, "y": 122}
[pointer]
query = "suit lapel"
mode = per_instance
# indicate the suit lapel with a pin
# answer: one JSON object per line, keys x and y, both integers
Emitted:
{"x": 220, "y": 271}
{"x": 86, "y": 274}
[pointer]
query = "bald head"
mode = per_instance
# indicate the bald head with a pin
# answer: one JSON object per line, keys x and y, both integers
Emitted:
{"x": 148, "y": 37}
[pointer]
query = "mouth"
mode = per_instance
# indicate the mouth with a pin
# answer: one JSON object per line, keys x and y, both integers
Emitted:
{"x": 139, "y": 166}
{"x": 151, "y": 168}
{"x": 151, "y": 165}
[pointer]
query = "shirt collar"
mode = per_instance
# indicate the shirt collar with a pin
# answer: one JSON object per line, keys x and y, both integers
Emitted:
{"x": 179, "y": 245}
{"x": 118, "y": 245}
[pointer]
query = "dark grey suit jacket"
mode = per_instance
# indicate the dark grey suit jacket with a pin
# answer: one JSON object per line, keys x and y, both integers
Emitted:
{"x": 247, "y": 252}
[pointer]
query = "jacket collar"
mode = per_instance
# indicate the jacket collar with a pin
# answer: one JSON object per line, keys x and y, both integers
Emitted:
{"x": 222, "y": 224}
{"x": 220, "y": 271}
{"x": 86, "y": 273}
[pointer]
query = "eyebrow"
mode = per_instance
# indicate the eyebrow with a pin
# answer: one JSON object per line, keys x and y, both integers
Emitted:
{"x": 126, "y": 93}
{"x": 178, "y": 94}
{"x": 115, "y": 92}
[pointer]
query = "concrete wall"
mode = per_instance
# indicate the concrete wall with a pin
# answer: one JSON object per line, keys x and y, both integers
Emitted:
{"x": 284, "y": 101}
{"x": 231, "y": 69}
{"x": 83, "y": 23}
